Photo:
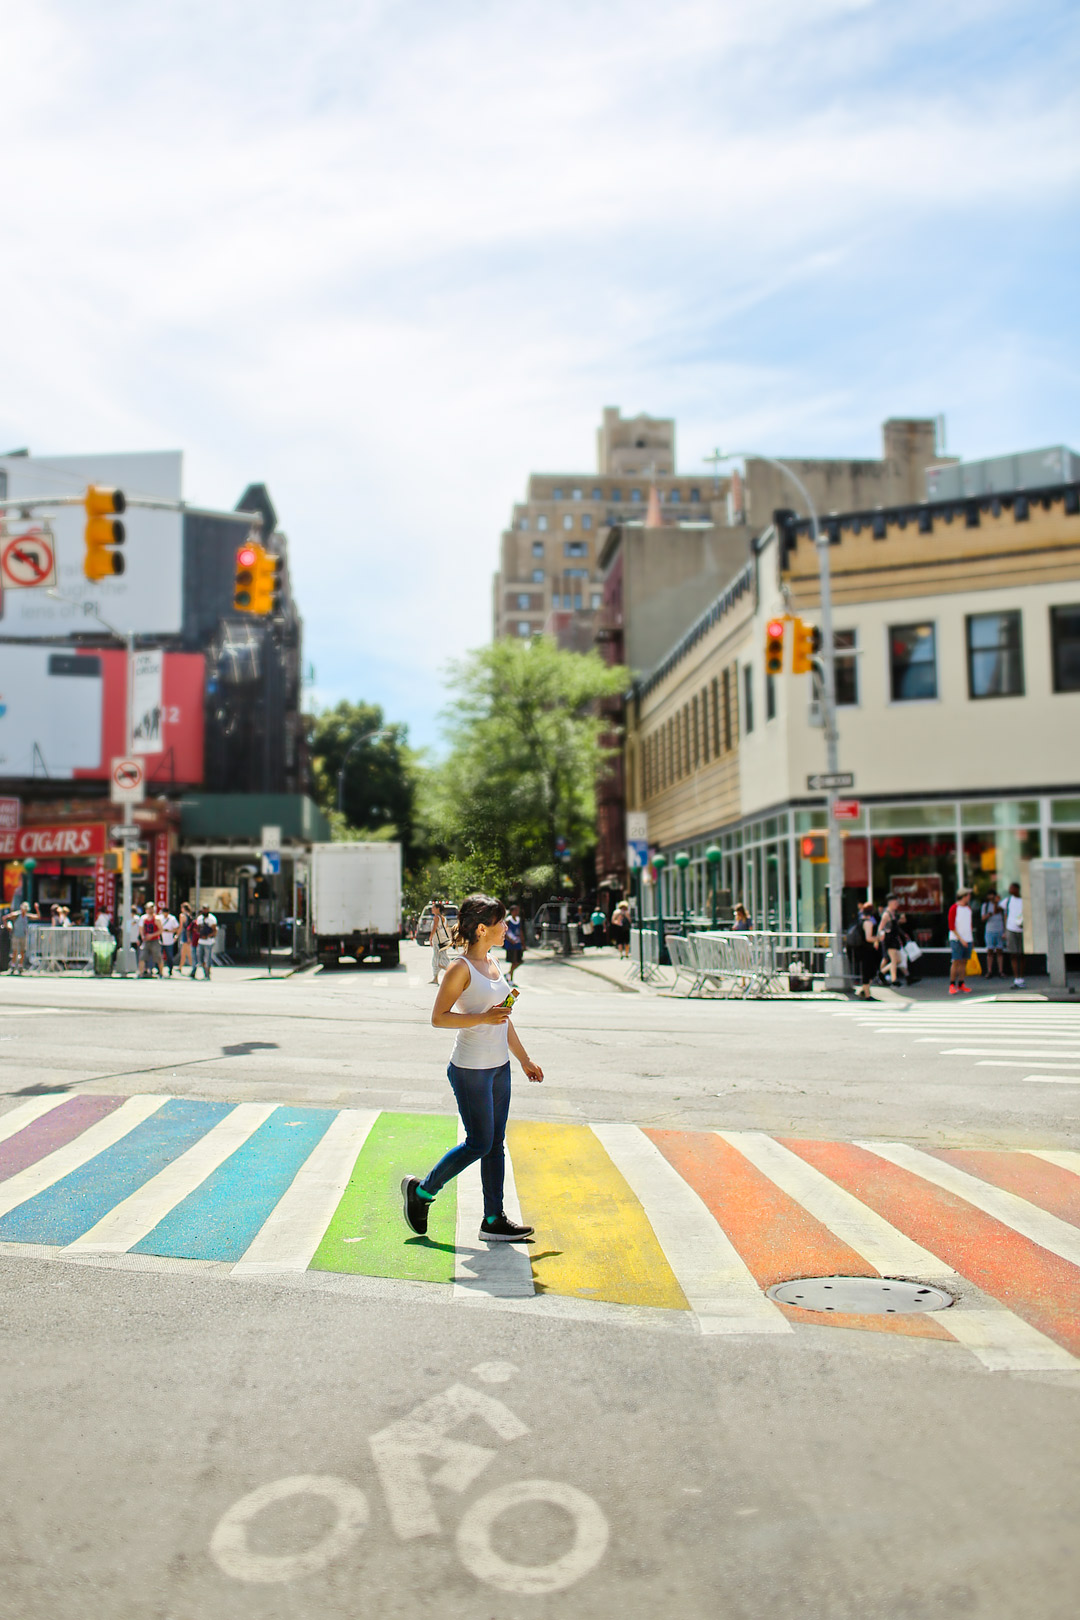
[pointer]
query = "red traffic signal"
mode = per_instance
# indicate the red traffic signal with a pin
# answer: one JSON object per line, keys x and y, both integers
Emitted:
{"x": 774, "y": 647}
{"x": 814, "y": 847}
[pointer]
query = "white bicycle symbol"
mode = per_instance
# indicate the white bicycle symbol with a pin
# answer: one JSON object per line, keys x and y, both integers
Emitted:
{"x": 397, "y": 1452}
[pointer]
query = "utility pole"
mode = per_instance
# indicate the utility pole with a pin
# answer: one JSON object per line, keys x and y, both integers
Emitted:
{"x": 835, "y": 962}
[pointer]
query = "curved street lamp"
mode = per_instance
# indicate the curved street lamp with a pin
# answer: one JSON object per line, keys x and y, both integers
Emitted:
{"x": 369, "y": 736}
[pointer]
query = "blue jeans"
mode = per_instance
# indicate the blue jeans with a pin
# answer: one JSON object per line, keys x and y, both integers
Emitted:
{"x": 483, "y": 1099}
{"x": 204, "y": 951}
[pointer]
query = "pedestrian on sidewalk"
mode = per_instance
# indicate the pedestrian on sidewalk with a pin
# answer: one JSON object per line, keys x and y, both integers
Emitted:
{"x": 742, "y": 923}
{"x": 888, "y": 938}
{"x": 515, "y": 940}
{"x": 1014, "y": 933}
{"x": 475, "y": 1000}
{"x": 993, "y": 921}
{"x": 206, "y": 926}
{"x": 187, "y": 936}
{"x": 439, "y": 939}
{"x": 150, "y": 960}
{"x": 170, "y": 927}
{"x": 620, "y": 928}
{"x": 867, "y": 956}
{"x": 20, "y": 937}
{"x": 961, "y": 938}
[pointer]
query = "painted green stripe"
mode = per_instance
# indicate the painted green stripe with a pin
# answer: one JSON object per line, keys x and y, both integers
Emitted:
{"x": 370, "y": 1207}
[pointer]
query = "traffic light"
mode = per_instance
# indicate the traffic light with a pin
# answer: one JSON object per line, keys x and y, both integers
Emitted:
{"x": 244, "y": 587}
{"x": 814, "y": 847}
{"x": 258, "y": 579}
{"x": 114, "y": 861}
{"x": 103, "y": 532}
{"x": 774, "y": 647}
{"x": 805, "y": 645}
{"x": 267, "y": 595}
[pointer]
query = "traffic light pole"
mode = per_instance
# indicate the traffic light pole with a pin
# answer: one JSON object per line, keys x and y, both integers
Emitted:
{"x": 836, "y": 977}
{"x": 127, "y": 964}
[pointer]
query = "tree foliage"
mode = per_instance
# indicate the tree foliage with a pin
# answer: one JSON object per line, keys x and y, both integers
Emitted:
{"x": 525, "y": 748}
{"x": 380, "y": 773}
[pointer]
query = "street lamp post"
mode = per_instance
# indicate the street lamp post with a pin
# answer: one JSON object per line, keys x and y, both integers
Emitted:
{"x": 682, "y": 861}
{"x": 659, "y": 862}
{"x": 835, "y": 962}
{"x": 713, "y": 855}
{"x": 369, "y": 736}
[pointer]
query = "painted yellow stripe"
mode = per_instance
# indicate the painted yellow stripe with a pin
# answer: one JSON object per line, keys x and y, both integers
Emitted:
{"x": 593, "y": 1239}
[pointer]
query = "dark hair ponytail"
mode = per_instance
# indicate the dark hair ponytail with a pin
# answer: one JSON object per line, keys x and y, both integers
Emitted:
{"x": 476, "y": 909}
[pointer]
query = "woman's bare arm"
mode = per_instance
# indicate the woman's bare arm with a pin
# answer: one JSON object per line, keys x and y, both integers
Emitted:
{"x": 454, "y": 982}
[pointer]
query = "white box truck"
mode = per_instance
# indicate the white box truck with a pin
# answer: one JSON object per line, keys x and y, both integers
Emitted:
{"x": 356, "y": 902}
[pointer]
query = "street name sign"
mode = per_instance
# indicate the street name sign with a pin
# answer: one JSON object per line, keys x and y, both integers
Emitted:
{"x": 127, "y": 781}
{"x": 846, "y": 809}
{"x": 271, "y": 841}
{"x": 827, "y": 781}
{"x": 126, "y": 829}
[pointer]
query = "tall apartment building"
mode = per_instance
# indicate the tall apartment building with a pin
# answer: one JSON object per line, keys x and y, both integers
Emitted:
{"x": 549, "y": 575}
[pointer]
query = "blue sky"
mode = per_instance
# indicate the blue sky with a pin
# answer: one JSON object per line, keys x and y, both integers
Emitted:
{"x": 390, "y": 256}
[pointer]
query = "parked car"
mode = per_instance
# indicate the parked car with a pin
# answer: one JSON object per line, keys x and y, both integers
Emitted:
{"x": 423, "y": 927}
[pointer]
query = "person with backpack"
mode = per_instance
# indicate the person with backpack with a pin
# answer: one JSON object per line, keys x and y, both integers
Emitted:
{"x": 860, "y": 940}
{"x": 205, "y": 930}
{"x": 439, "y": 940}
{"x": 888, "y": 938}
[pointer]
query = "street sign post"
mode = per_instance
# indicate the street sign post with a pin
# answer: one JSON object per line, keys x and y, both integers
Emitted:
{"x": 830, "y": 781}
{"x": 637, "y": 859}
{"x": 270, "y": 864}
{"x": 846, "y": 809}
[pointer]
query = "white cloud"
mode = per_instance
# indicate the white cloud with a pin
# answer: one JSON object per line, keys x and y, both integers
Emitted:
{"x": 390, "y": 257}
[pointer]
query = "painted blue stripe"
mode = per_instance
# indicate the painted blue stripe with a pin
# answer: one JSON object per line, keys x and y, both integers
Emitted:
{"x": 73, "y": 1205}
{"x": 221, "y": 1217}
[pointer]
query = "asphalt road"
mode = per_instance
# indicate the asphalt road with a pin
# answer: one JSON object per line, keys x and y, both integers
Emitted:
{"x": 184, "y": 1439}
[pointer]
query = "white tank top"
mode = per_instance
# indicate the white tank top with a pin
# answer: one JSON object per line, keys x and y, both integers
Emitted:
{"x": 483, "y": 1046}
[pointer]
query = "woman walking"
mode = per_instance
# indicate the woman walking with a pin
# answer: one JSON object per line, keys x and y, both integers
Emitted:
{"x": 473, "y": 999}
{"x": 185, "y": 936}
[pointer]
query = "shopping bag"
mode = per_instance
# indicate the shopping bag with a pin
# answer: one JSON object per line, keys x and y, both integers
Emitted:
{"x": 974, "y": 966}
{"x": 912, "y": 951}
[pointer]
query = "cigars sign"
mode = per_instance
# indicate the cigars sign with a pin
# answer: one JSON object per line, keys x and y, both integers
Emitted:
{"x": 86, "y": 838}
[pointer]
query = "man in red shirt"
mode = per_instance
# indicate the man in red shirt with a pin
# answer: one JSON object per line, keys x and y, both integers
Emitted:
{"x": 960, "y": 942}
{"x": 150, "y": 949}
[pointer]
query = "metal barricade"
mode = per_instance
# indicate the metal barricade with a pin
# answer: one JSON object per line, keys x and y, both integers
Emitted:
{"x": 644, "y": 955}
{"x": 756, "y": 962}
{"x": 57, "y": 950}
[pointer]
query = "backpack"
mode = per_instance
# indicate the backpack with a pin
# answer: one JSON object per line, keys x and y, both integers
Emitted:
{"x": 855, "y": 938}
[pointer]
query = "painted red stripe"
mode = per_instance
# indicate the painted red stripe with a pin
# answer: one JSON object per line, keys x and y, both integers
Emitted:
{"x": 53, "y": 1130}
{"x": 1037, "y": 1285}
{"x": 776, "y": 1237}
{"x": 1047, "y": 1185}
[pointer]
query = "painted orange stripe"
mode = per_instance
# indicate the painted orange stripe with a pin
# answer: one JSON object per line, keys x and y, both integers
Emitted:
{"x": 1048, "y": 1185}
{"x": 1037, "y": 1285}
{"x": 775, "y": 1236}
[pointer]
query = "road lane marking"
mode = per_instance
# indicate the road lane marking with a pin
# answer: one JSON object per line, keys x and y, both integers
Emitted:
{"x": 1052, "y": 1079}
{"x": 34, "y": 1138}
{"x": 293, "y": 1231}
{"x": 885, "y": 1249}
{"x": 593, "y": 1239}
{"x": 18, "y": 1118}
{"x": 95, "y": 1139}
{"x": 220, "y": 1217}
{"x": 721, "y": 1290}
{"x": 67, "y": 1209}
{"x": 1025, "y": 1063}
{"x": 474, "y": 1539}
{"x": 1046, "y": 1185}
{"x": 133, "y": 1219}
{"x": 1064, "y": 1158}
{"x": 1035, "y": 1224}
{"x": 231, "y": 1550}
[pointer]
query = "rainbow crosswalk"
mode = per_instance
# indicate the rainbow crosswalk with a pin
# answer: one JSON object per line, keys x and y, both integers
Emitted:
{"x": 700, "y": 1223}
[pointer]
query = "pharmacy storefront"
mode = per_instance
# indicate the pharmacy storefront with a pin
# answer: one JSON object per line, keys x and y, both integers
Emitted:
{"x": 922, "y": 850}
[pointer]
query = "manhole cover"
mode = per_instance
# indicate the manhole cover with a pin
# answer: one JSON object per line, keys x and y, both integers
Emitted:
{"x": 860, "y": 1296}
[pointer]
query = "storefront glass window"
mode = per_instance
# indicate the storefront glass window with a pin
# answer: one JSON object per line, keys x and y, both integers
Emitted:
{"x": 913, "y": 815}
{"x": 921, "y": 868}
{"x": 1065, "y": 810}
{"x": 809, "y": 820}
{"x": 1009, "y": 813}
{"x": 992, "y": 859}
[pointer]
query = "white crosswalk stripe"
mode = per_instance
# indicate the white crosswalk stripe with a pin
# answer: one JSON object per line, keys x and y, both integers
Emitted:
{"x": 18, "y": 1118}
{"x": 1041, "y": 1039}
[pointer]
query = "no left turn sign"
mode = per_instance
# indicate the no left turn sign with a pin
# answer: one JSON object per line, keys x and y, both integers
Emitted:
{"x": 27, "y": 560}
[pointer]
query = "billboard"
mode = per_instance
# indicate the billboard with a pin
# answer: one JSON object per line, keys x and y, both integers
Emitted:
{"x": 62, "y": 713}
{"x": 147, "y": 598}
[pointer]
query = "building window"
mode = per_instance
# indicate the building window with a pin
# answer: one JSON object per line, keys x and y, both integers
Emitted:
{"x": 846, "y": 665}
{"x": 1065, "y": 636}
{"x": 770, "y": 697}
{"x": 538, "y": 576}
{"x": 568, "y": 521}
{"x": 717, "y": 733}
{"x": 586, "y": 520}
{"x": 541, "y": 522}
{"x": 748, "y": 698}
{"x": 673, "y": 497}
{"x": 575, "y": 548}
{"x": 524, "y": 627}
{"x": 523, "y": 523}
{"x": 596, "y": 600}
{"x": 913, "y": 662}
{"x": 577, "y": 602}
{"x": 706, "y": 733}
{"x": 575, "y": 494}
{"x": 524, "y": 604}
{"x": 597, "y": 494}
{"x": 695, "y": 494}
{"x": 538, "y": 548}
{"x": 730, "y": 697}
{"x": 995, "y": 655}
{"x": 576, "y": 573}
{"x": 635, "y": 494}
{"x": 556, "y": 494}
{"x": 616, "y": 495}
{"x": 695, "y": 733}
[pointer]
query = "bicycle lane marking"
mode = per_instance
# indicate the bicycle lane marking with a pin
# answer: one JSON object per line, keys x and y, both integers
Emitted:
{"x": 400, "y": 1452}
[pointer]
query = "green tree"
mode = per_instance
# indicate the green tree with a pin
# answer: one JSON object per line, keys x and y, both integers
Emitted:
{"x": 525, "y": 747}
{"x": 379, "y": 789}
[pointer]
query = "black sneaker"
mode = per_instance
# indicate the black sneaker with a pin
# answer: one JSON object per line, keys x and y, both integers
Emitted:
{"x": 416, "y": 1208}
{"x": 500, "y": 1230}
